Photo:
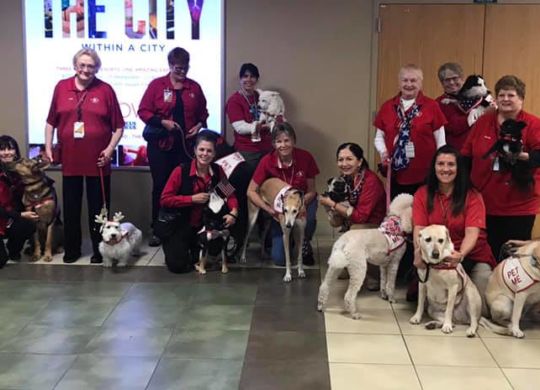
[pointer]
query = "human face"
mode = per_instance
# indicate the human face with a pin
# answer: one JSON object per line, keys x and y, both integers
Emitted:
{"x": 284, "y": 146}
{"x": 347, "y": 162}
{"x": 446, "y": 168}
{"x": 205, "y": 153}
{"x": 410, "y": 83}
{"x": 451, "y": 82}
{"x": 179, "y": 71}
{"x": 508, "y": 102}
{"x": 7, "y": 155}
{"x": 85, "y": 69}
{"x": 248, "y": 82}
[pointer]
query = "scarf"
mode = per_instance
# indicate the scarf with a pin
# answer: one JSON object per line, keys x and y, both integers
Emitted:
{"x": 399, "y": 158}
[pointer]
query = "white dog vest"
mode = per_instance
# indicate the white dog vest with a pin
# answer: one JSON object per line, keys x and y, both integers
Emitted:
{"x": 515, "y": 276}
{"x": 391, "y": 229}
{"x": 278, "y": 200}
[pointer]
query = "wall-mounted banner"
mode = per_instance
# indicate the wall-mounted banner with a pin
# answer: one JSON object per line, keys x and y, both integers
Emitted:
{"x": 132, "y": 38}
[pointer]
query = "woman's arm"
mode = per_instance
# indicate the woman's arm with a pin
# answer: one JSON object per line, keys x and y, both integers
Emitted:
{"x": 255, "y": 198}
{"x": 49, "y": 134}
{"x": 311, "y": 192}
{"x": 380, "y": 144}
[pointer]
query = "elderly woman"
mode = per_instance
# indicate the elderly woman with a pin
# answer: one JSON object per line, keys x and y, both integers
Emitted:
{"x": 367, "y": 199}
{"x": 510, "y": 210}
{"x": 188, "y": 190}
{"x": 174, "y": 110}
{"x": 296, "y": 167}
{"x": 86, "y": 113}
{"x": 451, "y": 77}
{"x": 410, "y": 128}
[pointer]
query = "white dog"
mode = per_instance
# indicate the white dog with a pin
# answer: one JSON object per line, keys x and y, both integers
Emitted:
{"x": 383, "y": 246}
{"x": 451, "y": 294}
{"x": 120, "y": 241}
{"x": 272, "y": 107}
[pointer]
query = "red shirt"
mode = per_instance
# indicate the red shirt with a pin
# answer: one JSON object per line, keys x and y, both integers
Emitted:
{"x": 429, "y": 120}
{"x": 457, "y": 128}
{"x": 6, "y": 201}
{"x": 237, "y": 109}
{"x": 371, "y": 205}
{"x": 501, "y": 196}
{"x": 101, "y": 115}
{"x": 473, "y": 215}
{"x": 153, "y": 102}
{"x": 170, "y": 197}
{"x": 303, "y": 167}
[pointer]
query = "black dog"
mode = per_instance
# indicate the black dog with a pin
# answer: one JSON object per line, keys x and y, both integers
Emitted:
{"x": 213, "y": 237}
{"x": 508, "y": 147}
{"x": 339, "y": 191}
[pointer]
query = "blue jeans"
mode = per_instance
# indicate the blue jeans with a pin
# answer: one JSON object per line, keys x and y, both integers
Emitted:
{"x": 277, "y": 252}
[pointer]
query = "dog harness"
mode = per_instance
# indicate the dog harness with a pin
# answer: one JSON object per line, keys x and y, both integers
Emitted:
{"x": 278, "y": 200}
{"x": 446, "y": 266}
{"x": 515, "y": 277}
{"x": 391, "y": 229}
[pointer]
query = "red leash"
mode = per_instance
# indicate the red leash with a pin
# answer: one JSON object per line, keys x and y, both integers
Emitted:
{"x": 104, "y": 207}
{"x": 388, "y": 183}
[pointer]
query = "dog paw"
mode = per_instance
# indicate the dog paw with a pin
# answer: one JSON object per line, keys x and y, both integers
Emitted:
{"x": 431, "y": 325}
{"x": 470, "y": 332}
{"x": 287, "y": 278}
{"x": 415, "y": 320}
{"x": 518, "y": 333}
{"x": 320, "y": 307}
{"x": 47, "y": 258}
{"x": 356, "y": 316}
{"x": 447, "y": 328}
{"x": 224, "y": 270}
{"x": 243, "y": 260}
{"x": 384, "y": 295}
{"x": 301, "y": 273}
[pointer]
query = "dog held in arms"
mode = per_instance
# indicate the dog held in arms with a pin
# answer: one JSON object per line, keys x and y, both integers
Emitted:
{"x": 338, "y": 190}
{"x": 451, "y": 294}
{"x": 384, "y": 246}
{"x": 272, "y": 108}
{"x": 289, "y": 202}
{"x": 120, "y": 241}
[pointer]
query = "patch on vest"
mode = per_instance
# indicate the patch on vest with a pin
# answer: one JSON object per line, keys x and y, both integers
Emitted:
{"x": 391, "y": 229}
{"x": 514, "y": 275}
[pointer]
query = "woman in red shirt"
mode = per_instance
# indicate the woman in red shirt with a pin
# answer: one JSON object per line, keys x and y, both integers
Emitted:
{"x": 367, "y": 197}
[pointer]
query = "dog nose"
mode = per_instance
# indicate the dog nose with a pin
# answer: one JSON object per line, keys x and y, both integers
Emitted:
{"x": 435, "y": 254}
{"x": 289, "y": 225}
{"x": 113, "y": 235}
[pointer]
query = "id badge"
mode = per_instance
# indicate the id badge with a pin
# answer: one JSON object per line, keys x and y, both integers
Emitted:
{"x": 167, "y": 95}
{"x": 78, "y": 130}
{"x": 409, "y": 150}
{"x": 496, "y": 166}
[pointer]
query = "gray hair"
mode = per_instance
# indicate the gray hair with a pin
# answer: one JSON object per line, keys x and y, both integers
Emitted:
{"x": 411, "y": 67}
{"x": 283, "y": 128}
{"x": 90, "y": 53}
{"x": 452, "y": 67}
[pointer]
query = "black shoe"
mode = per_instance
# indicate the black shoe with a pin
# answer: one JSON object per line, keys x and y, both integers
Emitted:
{"x": 96, "y": 259}
{"x": 154, "y": 241}
{"x": 15, "y": 256}
{"x": 71, "y": 258}
{"x": 307, "y": 254}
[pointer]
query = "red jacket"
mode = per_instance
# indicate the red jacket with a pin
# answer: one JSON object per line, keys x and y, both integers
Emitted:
{"x": 7, "y": 204}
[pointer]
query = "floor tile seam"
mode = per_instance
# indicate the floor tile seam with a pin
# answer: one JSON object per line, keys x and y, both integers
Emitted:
{"x": 373, "y": 364}
{"x": 65, "y": 372}
{"x": 159, "y": 360}
{"x": 201, "y": 358}
{"x": 363, "y": 333}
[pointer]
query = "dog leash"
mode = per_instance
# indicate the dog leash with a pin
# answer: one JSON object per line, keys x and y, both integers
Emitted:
{"x": 104, "y": 210}
{"x": 388, "y": 183}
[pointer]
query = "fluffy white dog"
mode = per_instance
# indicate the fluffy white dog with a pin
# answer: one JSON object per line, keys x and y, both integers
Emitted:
{"x": 383, "y": 246}
{"x": 120, "y": 241}
{"x": 272, "y": 107}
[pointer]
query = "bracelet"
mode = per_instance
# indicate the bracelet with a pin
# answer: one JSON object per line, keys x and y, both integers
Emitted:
{"x": 232, "y": 215}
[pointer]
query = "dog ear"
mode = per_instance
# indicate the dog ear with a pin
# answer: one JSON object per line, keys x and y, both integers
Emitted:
{"x": 330, "y": 180}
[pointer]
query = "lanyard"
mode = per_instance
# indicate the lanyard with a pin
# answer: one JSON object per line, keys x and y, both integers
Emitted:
{"x": 80, "y": 102}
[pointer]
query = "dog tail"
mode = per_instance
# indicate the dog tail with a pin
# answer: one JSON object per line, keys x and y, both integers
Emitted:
{"x": 498, "y": 329}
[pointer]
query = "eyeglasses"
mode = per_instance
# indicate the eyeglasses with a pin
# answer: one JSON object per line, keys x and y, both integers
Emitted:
{"x": 86, "y": 66}
{"x": 454, "y": 79}
{"x": 180, "y": 68}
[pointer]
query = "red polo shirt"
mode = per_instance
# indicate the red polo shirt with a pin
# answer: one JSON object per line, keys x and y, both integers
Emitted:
{"x": 371, "y": 206}
{"x": 303, "y": 167}
{"x": 101, "y": 115}
{"x": 153, "y": 102}
{"x": 473, "y": 215}
{"x": 237, "y": 109}
{"x": 429, "y": 120}
{"x": 501, "y": 196}
{"x": 6, "y": 201}
{"x": 457, "y": 128}
{"x": 170, "y": 197}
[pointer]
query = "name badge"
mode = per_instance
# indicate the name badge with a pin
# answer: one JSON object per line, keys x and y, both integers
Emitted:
{"x": 409, "y": 150}
{"x": 167, "y": 95}
{"x": 78, "y": 130}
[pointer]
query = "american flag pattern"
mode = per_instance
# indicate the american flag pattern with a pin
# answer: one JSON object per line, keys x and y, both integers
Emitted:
{"x": 224, "y": 188}
{"x": 399, "y": 158}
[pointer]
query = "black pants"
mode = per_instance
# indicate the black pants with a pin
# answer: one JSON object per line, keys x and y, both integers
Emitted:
{"x": 503, "y": 228}
{"x": 72, "y": 194}
{"x": 20, "y": 230}
{"x": 161, "y": 165}
{"x": 181, "y": 249}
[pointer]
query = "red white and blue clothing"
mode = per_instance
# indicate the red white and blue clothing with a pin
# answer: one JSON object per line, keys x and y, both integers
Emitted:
{"x": 370, "y": 206}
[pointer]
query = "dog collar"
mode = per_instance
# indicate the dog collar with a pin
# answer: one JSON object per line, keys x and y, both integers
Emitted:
{"x": 443, "y": 265}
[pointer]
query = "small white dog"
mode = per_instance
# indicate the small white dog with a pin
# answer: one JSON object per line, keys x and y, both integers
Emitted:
{"x": 120, "y": 241}
{"x": 384, "y": 246}
{"x": 272, "y": 107}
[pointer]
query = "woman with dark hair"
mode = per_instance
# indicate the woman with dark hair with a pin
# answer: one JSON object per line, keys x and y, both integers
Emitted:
{"x": 174, "y": 110}
{"x": 187, "y": 191}
{"x": 15, "y": 224}
{"x": 367, "y": 198}
{"x": 448, "y": 199}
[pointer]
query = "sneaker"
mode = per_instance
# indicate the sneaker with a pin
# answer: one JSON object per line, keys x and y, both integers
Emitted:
{"x": 307, "y": 254}
{"x": 96, "y": 259}
{"x": 154, "y": 241}
{"x": 71, "y": 258}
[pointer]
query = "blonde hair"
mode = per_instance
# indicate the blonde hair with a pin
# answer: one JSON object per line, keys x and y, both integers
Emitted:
{"x": 413, "y": 68}
{"x": 90, "y": 53}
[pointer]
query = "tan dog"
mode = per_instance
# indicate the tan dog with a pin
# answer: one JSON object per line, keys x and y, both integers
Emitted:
{"x": 289, "y": 202}
{"x": 451, "y": 294}
{"x": 513, "y": 286}
{"x": 39, "y": 196}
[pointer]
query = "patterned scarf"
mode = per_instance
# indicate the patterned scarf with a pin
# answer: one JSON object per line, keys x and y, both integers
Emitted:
{"x": 466, "y": 104}
{"x": 355, "y": 190}
{"x": 399, "y": 158}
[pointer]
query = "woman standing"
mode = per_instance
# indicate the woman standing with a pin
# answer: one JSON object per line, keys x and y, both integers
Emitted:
{"x": 174, "y": 110}
{"x": 86, "y": 113}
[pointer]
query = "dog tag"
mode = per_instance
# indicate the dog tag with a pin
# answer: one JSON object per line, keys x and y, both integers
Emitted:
{"x": 78, "y": 130}
{"x": 216, "y": 202}
{"x": 409, "y": 150}
{"x": 167, "y": 95}
{"x": 496, "y": 166}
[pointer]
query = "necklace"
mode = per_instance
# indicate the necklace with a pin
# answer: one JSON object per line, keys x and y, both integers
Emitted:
{"x": 444, "y": 209}
{"x": 253, "y": 107}
{"x": 289, "y": 182}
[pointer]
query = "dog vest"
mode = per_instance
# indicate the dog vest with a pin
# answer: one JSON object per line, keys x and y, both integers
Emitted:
{"x": 278, "y": 200}
{"x": 391, "y": 229}
{"x": 515, "y": 277}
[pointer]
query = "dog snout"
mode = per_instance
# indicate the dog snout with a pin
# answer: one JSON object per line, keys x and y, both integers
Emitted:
{"x": 435, "y": 254}
{"x": 289, "y": 225}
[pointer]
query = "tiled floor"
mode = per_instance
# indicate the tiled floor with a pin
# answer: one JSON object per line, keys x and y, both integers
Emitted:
{"x": 85, "y": 327}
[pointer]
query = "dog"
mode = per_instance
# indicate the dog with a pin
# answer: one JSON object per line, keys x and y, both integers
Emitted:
{"x": 451, "y": 294}
{"x": 272, "y": 108}
{"x": 289, "y": 202}
{"x": 474, "y": 98}
{"x": 338, "y": 190}
{"x": 120, "y": 241}
{"x": 39, "y": 196}
{"x": 513, "y": 287}
{"x": 384, "y": 246}
{"x": 507, "y": 149}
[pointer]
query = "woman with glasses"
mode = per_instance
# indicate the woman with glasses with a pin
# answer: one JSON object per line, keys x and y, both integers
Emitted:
{"x": 87, "y": 116}
{"x": 174, "y": 110}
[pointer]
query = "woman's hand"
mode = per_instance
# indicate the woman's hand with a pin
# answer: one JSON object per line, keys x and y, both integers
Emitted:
{"x": 31, "y": 215}
{"x": 170, "y": 125}
{"x": 455, "y": 258}
{"x": 418, "y": 262}
{"x": 200, "y": 198}
{"x": 326, "y": 201}
{"x": 229, "y": 219}
{"x": 517, "y": 243}
{"x": 105, "y": 157}
{"x": 194, "y": 130}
